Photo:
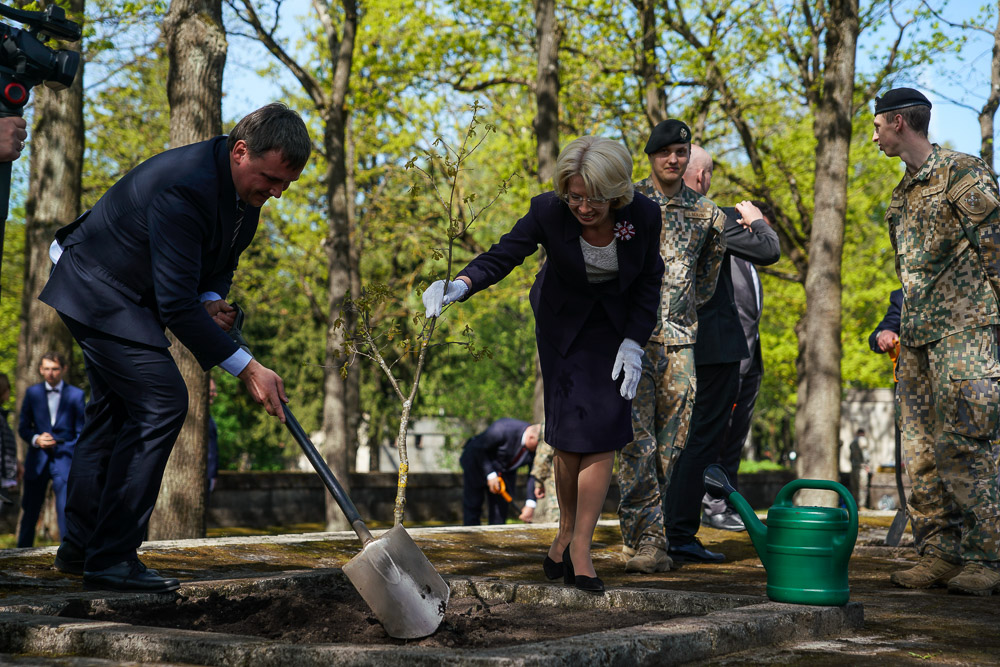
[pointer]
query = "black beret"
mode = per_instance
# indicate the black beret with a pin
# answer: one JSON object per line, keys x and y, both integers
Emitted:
{"x": 900, "y": 98}
{"x": 666, "y": 133}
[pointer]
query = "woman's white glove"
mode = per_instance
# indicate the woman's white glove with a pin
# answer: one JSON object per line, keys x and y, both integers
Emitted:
{"x": 629, "y": 360}
{"x": 441, "y": 293}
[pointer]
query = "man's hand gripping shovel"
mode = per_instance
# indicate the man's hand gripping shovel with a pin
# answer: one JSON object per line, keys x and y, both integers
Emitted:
{"x": 392, "y": 574}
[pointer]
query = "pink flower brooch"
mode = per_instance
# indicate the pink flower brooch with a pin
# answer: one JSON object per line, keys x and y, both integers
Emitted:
{"x": 624, "y": 230}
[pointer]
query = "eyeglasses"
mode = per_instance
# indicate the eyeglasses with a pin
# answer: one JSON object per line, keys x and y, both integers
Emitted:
{"x": 574, "y": 199}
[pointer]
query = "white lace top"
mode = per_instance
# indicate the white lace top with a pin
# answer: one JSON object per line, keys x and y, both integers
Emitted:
{"x": 601, "y": 262}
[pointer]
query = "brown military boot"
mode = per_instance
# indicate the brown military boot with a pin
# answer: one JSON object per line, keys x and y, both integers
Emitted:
{"x": 930, "y": 571}
{"x": 650, "y": 558}
{"x": 975, "y": 579}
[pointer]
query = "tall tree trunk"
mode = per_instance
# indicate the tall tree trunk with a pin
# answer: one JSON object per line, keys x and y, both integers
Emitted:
{"x": 655, "y": 98}
{"x": 337, "y": 409}
{"x": 547, "y": 40}
{"x": 989, "y": 110}
{"x": 54, "y": 188}
{"x": 196, "y": 47}
{"x": 832, "y": 127}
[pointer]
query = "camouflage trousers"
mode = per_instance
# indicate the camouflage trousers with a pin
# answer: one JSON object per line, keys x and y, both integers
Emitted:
{"x": 661, "y": 415}
{"x": 948, "y": 398}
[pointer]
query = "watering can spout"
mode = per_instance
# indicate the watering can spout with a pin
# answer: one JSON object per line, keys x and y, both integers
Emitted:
{"x": 717, "y": 485}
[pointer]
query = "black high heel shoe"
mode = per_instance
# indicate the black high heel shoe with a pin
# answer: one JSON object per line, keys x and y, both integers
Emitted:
{"x": 589, "y": 584}
{"x": 568, "y": 576}
{"x": 553, "y": 570}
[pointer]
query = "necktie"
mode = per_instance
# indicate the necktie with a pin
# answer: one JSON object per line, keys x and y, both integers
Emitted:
{"x": 241, "y": 209}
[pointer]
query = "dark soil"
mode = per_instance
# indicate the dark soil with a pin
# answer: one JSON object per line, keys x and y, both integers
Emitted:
{"x": 334, "y": 613}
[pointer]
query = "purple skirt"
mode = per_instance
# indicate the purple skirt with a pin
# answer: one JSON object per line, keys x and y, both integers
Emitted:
{"x": 584, "y": 411}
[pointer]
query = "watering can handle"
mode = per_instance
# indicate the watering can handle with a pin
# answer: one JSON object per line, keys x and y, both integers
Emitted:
{"x": 784, "y": 496}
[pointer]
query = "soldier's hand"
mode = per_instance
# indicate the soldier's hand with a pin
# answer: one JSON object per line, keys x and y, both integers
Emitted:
{"x": 266, "y": 387}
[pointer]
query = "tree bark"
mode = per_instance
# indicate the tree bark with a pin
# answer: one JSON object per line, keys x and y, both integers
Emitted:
{"x": 54, "y": 189}
{"x": 988, "y": 113}
{"x": 655, "y": 98}
{"x": 337, "y": 409}
{"x": 196, "y": 47}
{"x": 547, "y": 39}
{"x": 819, "y": 446}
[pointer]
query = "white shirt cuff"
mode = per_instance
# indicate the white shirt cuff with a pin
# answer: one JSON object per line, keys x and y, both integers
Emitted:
{"x": 235, "y": 364}
{"x": 531, "y": 503}
{"x": 209, "y": 296}
{"x": 55, "y": 251}
{"x": 492, "y": 475}
{"x": 33, "y": 438}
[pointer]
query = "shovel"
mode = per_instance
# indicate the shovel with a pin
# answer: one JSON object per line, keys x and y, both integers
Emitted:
{"x": 392, "y": 574}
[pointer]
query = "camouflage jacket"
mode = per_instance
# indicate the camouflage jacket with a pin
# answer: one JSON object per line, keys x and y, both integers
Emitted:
{"x": 692, "y": 246}
{"x": 945, "y": 228}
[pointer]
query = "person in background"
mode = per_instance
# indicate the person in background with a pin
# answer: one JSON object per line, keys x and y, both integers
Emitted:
{"x": 52, "y": 417}
{"x": 491, "y": 457}
{"x": 547, "y": 508}
{"x": 595, "y": 302}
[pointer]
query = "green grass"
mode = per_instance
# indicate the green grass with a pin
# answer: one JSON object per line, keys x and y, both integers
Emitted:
{"x": 750, "y": 467}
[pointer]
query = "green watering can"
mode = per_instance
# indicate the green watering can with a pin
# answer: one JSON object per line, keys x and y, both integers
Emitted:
{"x": 805, "y": 550}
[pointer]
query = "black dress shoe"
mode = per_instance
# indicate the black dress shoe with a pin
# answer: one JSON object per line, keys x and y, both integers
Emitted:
{"x": 728, "y": 520}
{"x": 553, "y": 570}
{"x": 693, "y": 552}
{"x": 568, "y": 577}
{"x": 589, "y": 584}
{"x": 129, "y": 575}
{"x": 69, "y": 558}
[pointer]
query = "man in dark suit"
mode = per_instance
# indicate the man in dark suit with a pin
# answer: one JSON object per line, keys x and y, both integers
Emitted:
{"x": 159, "y": 249}
{"x": 494, "y": 455}
{"x": 886, "y": 334}
{"x": 51, "y": 421}
{"x": 717, "y": 354}
{"x": 749, "y": 300}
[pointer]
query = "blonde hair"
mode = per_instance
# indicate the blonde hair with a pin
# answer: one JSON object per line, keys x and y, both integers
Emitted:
{"x": 604, "y": 164}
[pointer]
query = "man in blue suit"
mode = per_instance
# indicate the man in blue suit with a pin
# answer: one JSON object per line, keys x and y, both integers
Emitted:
{"x": 51, "y": 421}
{"x": 494, "y": 455}
{"x": 158, "y": 250}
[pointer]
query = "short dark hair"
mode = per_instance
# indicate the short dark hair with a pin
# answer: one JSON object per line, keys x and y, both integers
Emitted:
{"x": 274, "y": 127}
{"x": 917, "y": 117}
{"x": 53, "y": 356}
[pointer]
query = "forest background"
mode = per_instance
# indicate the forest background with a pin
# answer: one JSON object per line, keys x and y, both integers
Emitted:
{"x": 383, "y": 85}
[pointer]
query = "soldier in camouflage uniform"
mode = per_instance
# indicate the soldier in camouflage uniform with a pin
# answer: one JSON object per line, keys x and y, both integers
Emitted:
{"x": 944, "y": 224}
{"x": 692, "y": 247}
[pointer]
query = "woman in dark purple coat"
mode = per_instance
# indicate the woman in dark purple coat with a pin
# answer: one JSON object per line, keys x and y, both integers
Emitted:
{"x": 595, "y": 303}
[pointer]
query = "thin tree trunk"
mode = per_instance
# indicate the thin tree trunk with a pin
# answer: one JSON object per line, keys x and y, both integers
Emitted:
{"x": 196, "y": 47}
{"x": 54, "y": 189}
{"x": 655, "y": 98}
{"x": 988, "y": 113}
{"x": 832, "y": 128}
{"x": 337, "y": 412}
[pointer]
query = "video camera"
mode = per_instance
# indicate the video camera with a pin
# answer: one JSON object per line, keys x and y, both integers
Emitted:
{"x": 25, "y": 60}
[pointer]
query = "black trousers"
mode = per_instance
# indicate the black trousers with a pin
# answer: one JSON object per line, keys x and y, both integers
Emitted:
{"x": 474, "y": 488}
{"x": 716, "y": 392}
{"x": 739, "y": 424}
{"x": 137, "y": 407}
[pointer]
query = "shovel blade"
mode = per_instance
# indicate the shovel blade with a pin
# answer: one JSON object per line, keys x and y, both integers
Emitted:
{"x": 402, "y": 588}
{"x": 897, "y": 528}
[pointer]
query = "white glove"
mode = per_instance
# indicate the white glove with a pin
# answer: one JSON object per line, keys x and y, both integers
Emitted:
{"x": 441, "y": 293}
{"x": 629, "y": 360}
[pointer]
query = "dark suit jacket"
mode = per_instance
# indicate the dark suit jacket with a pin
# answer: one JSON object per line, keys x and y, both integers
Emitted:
{"x": 561, "y": 297}
{"x": 719, "y": 319}
{"x": 890, "y": 321}
{"x": 35, "y": 419}
{"x": 158, "y": 238}
{"x": 497, "y": 447}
